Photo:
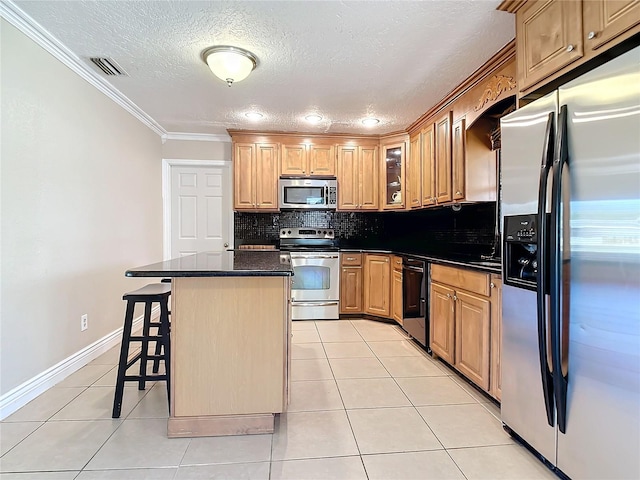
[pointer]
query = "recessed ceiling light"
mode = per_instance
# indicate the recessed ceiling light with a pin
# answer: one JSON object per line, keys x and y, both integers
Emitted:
{"x": 313, "y": 118}
{"x": 253, "y": 115}
{"x": 370, "y": 122}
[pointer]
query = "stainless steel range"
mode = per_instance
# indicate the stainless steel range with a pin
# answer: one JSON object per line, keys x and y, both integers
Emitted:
{"x": 315, "y": 261}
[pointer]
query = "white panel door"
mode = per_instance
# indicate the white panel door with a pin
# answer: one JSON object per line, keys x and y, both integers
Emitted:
{"x": 200, "y": 209}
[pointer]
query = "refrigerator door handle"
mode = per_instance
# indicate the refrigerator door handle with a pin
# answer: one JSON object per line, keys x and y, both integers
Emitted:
{"x": 542, "y": 277}
{"x": 559, "y": 274}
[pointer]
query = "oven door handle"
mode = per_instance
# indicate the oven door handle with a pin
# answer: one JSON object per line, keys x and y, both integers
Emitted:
{"x": 315, "y": 304}
{"x": 413, "y": 269}
{"x": 311, "y": 257}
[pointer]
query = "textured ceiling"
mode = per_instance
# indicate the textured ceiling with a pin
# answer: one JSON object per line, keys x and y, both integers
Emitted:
{"x": 342, "y": 59}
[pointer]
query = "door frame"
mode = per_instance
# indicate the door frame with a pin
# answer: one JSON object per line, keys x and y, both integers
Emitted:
{"x": 167, "y": 165}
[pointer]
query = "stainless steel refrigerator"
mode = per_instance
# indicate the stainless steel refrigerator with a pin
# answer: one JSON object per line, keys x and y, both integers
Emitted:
{"x": 571, "y": 273}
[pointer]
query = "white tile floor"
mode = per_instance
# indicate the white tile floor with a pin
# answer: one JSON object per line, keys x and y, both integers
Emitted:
{"x": 366, "y": 403}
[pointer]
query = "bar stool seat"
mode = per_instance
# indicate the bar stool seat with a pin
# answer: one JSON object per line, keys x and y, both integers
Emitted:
{"x": 149, "y": 294}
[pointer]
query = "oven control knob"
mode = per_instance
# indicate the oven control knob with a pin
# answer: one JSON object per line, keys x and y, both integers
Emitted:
{"x": 284, "y": 231}
{"x": 289, "y": 232}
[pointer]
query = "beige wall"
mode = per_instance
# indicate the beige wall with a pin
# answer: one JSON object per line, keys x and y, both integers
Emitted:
{"x": 196, "y": 150}
{"x": 80, "y": 203}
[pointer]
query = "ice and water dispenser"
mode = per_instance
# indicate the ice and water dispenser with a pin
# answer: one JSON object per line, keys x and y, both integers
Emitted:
{"x": 521, "y": 251}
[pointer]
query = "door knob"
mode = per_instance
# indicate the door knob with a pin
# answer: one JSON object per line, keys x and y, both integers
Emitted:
{"x": 226, "y": 244}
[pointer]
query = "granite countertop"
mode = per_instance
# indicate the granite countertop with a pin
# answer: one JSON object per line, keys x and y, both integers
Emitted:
{"x": 231, "y": 263}
{"x": 468, "y": 261}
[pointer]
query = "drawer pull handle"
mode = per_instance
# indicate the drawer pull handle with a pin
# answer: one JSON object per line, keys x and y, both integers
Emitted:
{"x": 351, "y": 258}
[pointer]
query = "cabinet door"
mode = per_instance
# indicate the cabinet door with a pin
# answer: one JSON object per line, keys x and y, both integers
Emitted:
{"x": 495, "y": 387}
{"x": 413, "y": 173}
{"x": 458, "y": 150}
{"x": 396, "y": 296}
{"x": 244, "y": 176}
{"x": 266, "y": 176}
{"x": 442, "y": 321}
{"x": 351, "y": 290}
{"x": 428, "y": 166}
{"x": 322, "y": 160}
{"x": 348, "y": 174}
{"x": 377, "y": 283}
{"x": 392, "y": 187}
{"x": 604, "y": 20}
{"x": 548, "y": 37}
{"x": 368, "y": 179}
{"x": 443, "y": 159}
{"x": 472, "y": 354}
{"x": 294, "y": 160}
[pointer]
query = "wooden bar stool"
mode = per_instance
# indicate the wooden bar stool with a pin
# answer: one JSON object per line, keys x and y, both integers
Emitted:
{"x": 149, "y": 294}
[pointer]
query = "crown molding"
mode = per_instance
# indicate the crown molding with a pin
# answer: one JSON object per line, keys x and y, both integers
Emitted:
{"x": 196, "y": 137}
{"x": 32, "y": 29}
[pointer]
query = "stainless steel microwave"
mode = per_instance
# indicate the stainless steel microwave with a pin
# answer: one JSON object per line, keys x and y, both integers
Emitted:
{"x": 308, "y": 193}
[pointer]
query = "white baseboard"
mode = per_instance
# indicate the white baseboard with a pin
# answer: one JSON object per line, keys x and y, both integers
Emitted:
{"x": 27, "y": 391}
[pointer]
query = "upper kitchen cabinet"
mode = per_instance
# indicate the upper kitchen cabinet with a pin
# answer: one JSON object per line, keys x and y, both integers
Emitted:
{"x": 443, "y": 159}
{"x": 392, "y": 175}
{"x": 308, "y": 160}
{"x": 357, "y": 173}
{"x": 548, "y": 37}
{"x": 458, "y": 149}
{"x": 553, "y": 37}
{"x": 428, "y": 162}
{"x": 604, "y": 21}
{"x": 413, "y": 173}
{"x": 255, "y": 176}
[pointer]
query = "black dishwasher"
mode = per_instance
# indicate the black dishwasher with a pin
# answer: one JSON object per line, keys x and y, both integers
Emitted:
{"x": 414, "y": 299}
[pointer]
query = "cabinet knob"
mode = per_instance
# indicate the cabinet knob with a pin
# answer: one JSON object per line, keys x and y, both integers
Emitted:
{"x": 455, "y": 298}
{"x": 311, "y": 172}
{"x": 386, "y": 260}
{"x": 569, "y": 49}
{"x": 458, "y": 193}
{"x": 302, "y": 171}
{"x": 448, "y": 295}
{"x": 492, "y": 285}
{"x": 226, "y": 244}
{"x": 591, "y": 35}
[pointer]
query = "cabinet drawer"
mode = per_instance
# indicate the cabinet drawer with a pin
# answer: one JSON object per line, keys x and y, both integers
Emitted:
{"x": 351, "y": 258}
{"x": 469, "y": 280}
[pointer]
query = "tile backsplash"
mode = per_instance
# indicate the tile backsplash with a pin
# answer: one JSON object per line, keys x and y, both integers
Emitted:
{"x": 440, "y": 230}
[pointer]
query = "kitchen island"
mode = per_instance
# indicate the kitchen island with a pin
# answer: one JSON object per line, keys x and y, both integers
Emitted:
{"x": 230, "y": 341}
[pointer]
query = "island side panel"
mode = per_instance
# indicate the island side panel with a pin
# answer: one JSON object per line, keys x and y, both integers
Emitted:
{"x": 229, "y": 345}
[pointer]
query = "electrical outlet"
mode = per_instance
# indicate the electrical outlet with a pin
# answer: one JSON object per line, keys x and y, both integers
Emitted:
{"x": 84, "y": 322}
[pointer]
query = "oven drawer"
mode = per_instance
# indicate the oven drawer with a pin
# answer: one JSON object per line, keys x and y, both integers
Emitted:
{"x": 351, "y": 259}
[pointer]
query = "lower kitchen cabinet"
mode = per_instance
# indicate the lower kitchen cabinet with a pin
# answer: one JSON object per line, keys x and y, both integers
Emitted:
{"x": 351, "y": 283}
{"x": 472, "y": 337}
{"x": 495, "y": 388}
{"x": 377, "y": 285}
{"x": 396, "y": 290}
{"x": 442, "y": 321}
{"x": 464, "y": 323}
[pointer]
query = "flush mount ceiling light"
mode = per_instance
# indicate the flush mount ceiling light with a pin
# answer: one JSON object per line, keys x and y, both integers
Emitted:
{"x": 370, "y": 122}
{"x": 253, "y": 115}
{"x": 231, "y": 64}
{"x": 313, "y": 118}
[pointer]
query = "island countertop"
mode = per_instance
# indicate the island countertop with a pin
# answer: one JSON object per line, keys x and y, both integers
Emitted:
{"x": 231, "y": 263}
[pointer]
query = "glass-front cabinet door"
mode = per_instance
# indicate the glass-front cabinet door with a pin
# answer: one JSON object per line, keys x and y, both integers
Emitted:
{"x": 393, "y": 181}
